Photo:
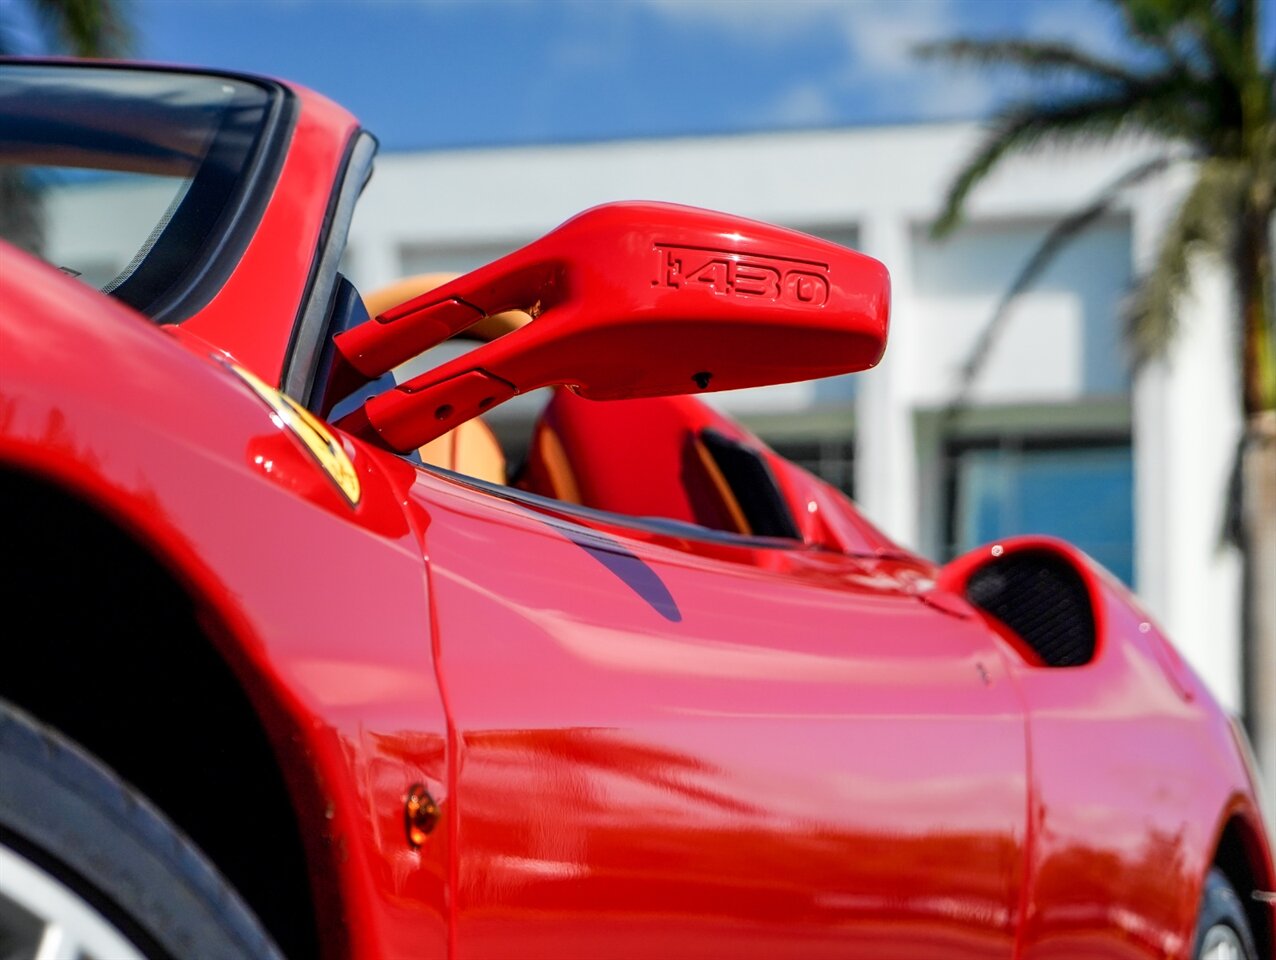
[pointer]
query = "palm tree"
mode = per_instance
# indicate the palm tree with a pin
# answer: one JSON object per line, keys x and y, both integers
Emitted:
{"x": 1197, "y": 82}
{"x": 82, "y": 28}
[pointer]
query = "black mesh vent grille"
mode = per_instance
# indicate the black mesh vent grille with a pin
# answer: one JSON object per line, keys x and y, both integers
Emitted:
{"x": 1041, "y": 598}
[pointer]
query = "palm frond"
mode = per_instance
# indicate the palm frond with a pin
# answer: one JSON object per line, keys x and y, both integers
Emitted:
{"x": 1230, "y": 47}
{"x": 1205, "y": 221}
{"x": 1165, "y": 25}
{"x": 1035, "y": 57}
{"x": 1147, "y": 108}
{"x": 1228, "y": 23}
{"x": 1059, "y": 236}
{"x": 1240, "y": 16}
{"x": 87, "y": 28}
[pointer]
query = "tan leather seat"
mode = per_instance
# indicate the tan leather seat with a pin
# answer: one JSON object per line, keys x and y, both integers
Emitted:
{"x": 472, "y": 448}
{"x": 393, "y": 294}
{"x": 644, "y": 457}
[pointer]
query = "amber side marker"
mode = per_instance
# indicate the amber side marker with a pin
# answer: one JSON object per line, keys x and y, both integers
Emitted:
{"x": 420, "y": 814}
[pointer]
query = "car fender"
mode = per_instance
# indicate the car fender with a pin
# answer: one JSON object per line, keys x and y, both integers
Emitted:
{"x": 179, "y": 452}
{"x": 1138, "y": 777}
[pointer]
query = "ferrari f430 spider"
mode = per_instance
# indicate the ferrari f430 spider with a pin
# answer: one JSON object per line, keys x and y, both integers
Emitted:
{"x": 295, "y": 662}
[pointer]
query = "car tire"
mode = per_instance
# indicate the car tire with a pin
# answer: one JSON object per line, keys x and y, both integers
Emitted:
{"x": 1222, "y": 929}
{"x": 86, "y": 861}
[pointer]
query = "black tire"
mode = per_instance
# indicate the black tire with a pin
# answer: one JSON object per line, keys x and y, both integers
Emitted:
{"x": 1221, "y": 908}
{"x": 79, "y": 824}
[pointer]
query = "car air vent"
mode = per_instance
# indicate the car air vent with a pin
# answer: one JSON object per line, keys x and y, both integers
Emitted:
{"x": 1041, "y": 597}
{"x": 750, "y": 480}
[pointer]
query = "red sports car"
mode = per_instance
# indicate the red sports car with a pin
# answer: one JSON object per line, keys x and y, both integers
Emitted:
{"x": 294, "y": 663}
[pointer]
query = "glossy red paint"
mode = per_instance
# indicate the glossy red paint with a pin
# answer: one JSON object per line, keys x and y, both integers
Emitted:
{"x": 771, "y": 754}
{"x": 104, "y": 404}
{"x": 253, "y": 315}
{"x": 1131, "y": 781}
{"x": 643, "y": 739}
{"x": 628, "y": 300}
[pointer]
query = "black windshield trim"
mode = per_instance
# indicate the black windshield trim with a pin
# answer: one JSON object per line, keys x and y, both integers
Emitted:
{"x": 169, "y": 291}
{"x": 310, "y": 327}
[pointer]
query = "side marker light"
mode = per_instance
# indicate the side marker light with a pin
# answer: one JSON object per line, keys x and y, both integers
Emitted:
{"x": 420, "y": 815}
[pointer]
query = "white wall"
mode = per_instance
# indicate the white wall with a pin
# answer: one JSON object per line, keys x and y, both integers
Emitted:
{"x": 1068, "y": 315}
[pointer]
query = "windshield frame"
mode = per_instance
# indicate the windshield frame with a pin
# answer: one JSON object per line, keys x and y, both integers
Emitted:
{"x": 174, "y": 280}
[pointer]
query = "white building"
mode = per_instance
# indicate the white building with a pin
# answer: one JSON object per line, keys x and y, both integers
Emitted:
{"x": 1059, "y": 437}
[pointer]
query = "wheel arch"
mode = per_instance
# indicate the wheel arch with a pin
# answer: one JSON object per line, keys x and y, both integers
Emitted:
{"x": 1238, "y": 854}
{"x": 142, "y": 682}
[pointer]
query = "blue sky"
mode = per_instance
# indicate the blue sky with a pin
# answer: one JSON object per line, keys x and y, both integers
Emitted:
{"x": 431, "y": 73}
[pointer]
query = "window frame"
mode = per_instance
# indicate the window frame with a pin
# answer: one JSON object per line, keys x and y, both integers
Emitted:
{"x": 953, "y": 447}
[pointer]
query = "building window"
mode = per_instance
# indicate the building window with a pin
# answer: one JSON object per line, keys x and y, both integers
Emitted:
{"x": 1058, "y": 342}
{"x": 832, "y": 460}
{"x": 1081, "y": 490}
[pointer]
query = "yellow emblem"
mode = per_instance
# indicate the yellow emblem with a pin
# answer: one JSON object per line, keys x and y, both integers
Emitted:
{"x": 312, "y": 433}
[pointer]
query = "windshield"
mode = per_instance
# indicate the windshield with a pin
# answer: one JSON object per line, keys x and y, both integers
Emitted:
{"x": 125, "y": 178}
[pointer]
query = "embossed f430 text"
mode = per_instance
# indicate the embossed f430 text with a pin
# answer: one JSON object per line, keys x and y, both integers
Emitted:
{"x": 754, "y": 277}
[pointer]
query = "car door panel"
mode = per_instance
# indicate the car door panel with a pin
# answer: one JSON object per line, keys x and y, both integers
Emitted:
{"x": 661, "y": 752}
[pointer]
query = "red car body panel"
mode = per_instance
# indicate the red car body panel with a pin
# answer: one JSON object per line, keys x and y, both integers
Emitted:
{"x": 642, "y": 742}
{"x": 1131, "y": 775}
{"x": 253, "y": 315}
{"x": 109, "y": 407}
{"x": 766, "y": 755}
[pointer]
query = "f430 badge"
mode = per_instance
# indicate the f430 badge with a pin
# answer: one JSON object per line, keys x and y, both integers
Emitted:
{"x": 751, "y": 276}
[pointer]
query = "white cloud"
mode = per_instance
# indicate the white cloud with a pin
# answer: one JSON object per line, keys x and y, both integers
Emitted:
{"x": 881, "y": 41}
{"x": 762, "y": 21}
{"x": 879, "y": 66}
{"x": 880, "y": 33}
{"x": 804, "y": 105}
{"x": 881, "y": 36}
{"x": 962, "y": 95}
{"x": 1093, "y": 28}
